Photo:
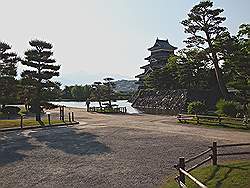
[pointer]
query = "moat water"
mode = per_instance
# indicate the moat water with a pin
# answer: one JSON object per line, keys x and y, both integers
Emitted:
{"x": 82, "y": 104}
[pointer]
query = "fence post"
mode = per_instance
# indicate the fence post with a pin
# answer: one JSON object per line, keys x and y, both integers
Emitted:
{"x": 197, "y": 118}
{"x": 69, "y": 117}
{"x": 214, "y": 155}
{"x": 182, "y": 166}
{"x": 21, "y": 124}
{"x": 72, "y": 116}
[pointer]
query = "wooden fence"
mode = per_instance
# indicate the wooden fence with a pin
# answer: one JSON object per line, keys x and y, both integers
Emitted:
{"x": 218, "y": 119}
{"x": 71, "y": 118}
{"x": 213, "y": 156}
{"x": 108, "y": 110}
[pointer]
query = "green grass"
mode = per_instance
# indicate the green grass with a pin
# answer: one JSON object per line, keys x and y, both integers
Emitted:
{"x": 23, "y": 111}
{"x": 230, "y": 175}
{"x": 26, "y": 122}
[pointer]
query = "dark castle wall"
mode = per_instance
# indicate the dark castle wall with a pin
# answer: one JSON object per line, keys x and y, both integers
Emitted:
{"x": 172, "y": 101}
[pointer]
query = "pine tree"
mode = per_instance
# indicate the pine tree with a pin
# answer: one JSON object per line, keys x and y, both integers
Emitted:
{"x": 8, "y": 72}
{"x": 39, "y": 58}
{"x": 97, "y": 92}
{"x": 204, "y": 26}
{"x": 110, "y": 93}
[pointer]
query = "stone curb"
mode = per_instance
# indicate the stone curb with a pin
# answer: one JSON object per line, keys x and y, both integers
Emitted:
{"x": 37, "y": 127}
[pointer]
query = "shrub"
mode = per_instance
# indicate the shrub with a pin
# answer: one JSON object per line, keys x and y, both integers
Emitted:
{"x": 197, "y": 107}
{"x": 11, "y": 110}
{"x": 229, "y": 108}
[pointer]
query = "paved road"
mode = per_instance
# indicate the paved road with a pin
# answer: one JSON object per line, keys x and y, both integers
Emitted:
{"x": 103, "y": 151}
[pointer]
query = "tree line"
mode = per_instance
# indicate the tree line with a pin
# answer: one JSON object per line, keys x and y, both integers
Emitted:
{"x": 35, "y": 85}
{"x": 98, "y": 91}
{"x": 212, "y": 58}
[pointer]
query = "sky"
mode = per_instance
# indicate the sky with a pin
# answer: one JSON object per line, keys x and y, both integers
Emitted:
{"x": 94, "y": 39}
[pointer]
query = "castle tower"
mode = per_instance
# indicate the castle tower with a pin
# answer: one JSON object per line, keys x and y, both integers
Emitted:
{"x": 157, "y": 59}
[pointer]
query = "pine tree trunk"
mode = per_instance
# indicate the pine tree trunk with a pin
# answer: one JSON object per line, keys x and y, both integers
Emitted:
{"x": 38, "y": 101}
{"x": 37, "y": 110}
{"x": 217, "y": 69}
{"x": 220, "y": 81}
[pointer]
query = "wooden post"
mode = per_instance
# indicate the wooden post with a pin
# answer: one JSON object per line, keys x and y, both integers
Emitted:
{"x": 21, "y": 124}
{"x": 72, "y": 116}
{"x": 197, "y": 118}
{"x": 69, "y": 117}
{"x": 214, "y": 155}
{"x": 49, "y": 119}
{"x": 182, "y": 166}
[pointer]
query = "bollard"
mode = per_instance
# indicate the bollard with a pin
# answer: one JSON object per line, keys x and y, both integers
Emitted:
{"x": 63, "y": 113}
{"x": 60, "y": 113}
{"x": 21, "y": 124}
{"x": 214, "y": 153}
{"x": 72, "y": 116}
{"x": 182, "y": 166}
{"x": 69, "y": 117}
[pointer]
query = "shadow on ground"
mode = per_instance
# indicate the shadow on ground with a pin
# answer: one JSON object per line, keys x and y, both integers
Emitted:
{"x": 10, "y": 144}
{"x": 222, "y": 172}
{"x": 70, "y": 141}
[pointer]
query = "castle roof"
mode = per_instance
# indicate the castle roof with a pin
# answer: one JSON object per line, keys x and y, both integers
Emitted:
{"x": 162, "y": 45}
{"x": 145, "y": 66}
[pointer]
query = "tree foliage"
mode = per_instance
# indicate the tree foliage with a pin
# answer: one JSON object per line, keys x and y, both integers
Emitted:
{"x": 186, "y": 70}
{"x": 8, "y": 72}
{"x": 66, "y": 92}
{"x": 237, "y": 63}
{"x": 80, "y": 92}
{"x": 197, "y": 107}
{"x": 229, "y": 108}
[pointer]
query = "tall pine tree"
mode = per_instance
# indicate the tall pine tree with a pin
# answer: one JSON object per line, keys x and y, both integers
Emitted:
{"x": 8, "y": 72}
{"x": 204, "y": 26}
{"x": 39, "y": 58}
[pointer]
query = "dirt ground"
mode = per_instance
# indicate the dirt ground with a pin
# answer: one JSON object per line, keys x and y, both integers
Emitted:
{"x": 104, "y": 151}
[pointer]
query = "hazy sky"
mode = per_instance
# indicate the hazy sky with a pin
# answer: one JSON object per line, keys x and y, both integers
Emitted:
{"x": 97, "y": 38}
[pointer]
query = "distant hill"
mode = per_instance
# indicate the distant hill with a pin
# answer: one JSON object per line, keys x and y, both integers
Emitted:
{"x": 126, "y": 85}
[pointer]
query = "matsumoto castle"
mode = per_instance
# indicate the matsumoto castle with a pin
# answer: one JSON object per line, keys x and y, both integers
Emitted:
{"x": 157, "y": 59}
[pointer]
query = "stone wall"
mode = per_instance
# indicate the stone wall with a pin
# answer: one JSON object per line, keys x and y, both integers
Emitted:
{"x": 172, "y": 101}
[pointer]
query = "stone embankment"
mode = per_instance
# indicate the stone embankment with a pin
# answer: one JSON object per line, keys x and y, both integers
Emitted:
{"x": 172, "y": 101}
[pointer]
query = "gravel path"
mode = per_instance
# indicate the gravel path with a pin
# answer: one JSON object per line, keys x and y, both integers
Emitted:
{"x": 103, "y": 151}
